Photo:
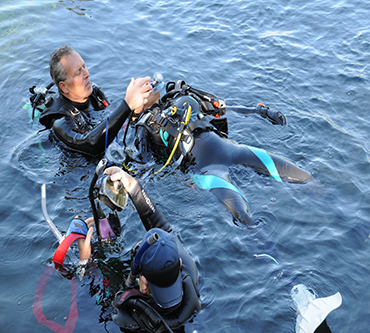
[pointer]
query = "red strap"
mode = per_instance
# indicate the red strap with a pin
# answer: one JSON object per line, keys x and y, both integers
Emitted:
{"x": 37, "y": 305}
{"x": 63, "y": 247}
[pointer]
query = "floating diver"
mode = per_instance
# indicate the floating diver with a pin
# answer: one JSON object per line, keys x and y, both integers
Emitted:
{"x": 188, "y": 127}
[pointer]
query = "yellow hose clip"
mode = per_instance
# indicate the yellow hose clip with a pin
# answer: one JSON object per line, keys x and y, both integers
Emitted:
{"x": 173, "y": 110}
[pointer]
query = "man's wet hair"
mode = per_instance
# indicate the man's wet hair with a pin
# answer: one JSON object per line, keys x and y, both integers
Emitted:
{"x": 57, "y": 71}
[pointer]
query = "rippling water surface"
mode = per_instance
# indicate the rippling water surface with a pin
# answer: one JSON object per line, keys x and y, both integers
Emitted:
{"x": 307, "y": 59}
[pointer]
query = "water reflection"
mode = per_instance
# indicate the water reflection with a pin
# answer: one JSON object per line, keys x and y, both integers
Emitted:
{"x": 77, "y": 9}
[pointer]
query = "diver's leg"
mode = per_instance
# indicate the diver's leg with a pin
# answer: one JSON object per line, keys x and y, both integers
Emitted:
{"x": 228, "y": 194}
{"x": 290, "y": 171}
{"x": 235, "y": 203}
{"x": 269, "y": 164}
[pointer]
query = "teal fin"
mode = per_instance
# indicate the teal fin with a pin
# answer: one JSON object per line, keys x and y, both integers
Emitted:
{"x": 267, "y": 161}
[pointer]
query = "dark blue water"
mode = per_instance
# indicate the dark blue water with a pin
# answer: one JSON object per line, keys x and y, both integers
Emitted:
{"x": 307, "y": 59}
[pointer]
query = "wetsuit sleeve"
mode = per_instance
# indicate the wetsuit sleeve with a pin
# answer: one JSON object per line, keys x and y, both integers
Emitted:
{"x": 150, "y": 214}
{"x": 91, "y": 142}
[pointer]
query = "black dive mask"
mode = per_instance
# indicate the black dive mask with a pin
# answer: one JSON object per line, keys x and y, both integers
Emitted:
{"x": 111, "y": 194}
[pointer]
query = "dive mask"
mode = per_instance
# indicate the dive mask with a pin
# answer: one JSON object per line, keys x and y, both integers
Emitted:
{"x": 111, "y": 194}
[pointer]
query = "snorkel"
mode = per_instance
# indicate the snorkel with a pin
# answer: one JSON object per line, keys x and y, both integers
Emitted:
{"x": 50, "y": 223}
{"x": 135, "y": 265}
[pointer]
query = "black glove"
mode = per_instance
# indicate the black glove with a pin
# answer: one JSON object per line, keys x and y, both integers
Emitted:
{"x": 276, "y": 117}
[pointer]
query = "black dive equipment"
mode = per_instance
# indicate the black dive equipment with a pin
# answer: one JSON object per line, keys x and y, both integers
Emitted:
{"x": 211, "y": 104}
{"x": 157, "y": 83}
{"x": 111, "y": 194}
{"x": 134, "y": 311}
{"x": 40, "y": 96}
{"x": 172, "y": 123}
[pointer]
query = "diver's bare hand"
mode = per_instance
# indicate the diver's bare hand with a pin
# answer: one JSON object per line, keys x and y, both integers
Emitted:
{"x": 126, "y": 180}
{"x": 84, "y": 245}
{"x": 138, "y": 92}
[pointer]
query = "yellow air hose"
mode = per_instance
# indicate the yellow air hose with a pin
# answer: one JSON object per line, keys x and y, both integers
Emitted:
{"x": 182, "y": 127}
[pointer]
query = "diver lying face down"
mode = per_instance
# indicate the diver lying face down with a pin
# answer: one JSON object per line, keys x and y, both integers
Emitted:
{"x": 73, "y": 115}
{"x": 188, "y": 126}
{"x": 167, "y": 295}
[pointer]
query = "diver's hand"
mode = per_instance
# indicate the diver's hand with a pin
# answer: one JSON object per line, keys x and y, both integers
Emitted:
{"x": 276, "y": 117}
{"x": 152, "y": 98}
{"x": 138, "y": 92}
{"x": 126, "y": 180}
{"x": 84, "y": 245}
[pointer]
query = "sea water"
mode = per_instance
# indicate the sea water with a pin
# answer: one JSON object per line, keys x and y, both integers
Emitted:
{"x": 306, "y": 59}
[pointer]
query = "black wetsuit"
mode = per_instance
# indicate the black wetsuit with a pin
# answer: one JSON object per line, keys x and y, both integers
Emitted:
{"x": 130, "y": 315}
{"x": 78, "y": 126}
{"x": 213, "y": 154}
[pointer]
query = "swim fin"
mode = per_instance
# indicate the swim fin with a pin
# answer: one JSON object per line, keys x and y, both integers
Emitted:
{"x": 312, "y": 312}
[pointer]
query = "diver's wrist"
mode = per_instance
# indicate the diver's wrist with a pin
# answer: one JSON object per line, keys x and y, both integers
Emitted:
{"x": 83, "y": 262}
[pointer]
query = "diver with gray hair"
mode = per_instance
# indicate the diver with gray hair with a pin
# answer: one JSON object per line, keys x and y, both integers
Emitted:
{"x": 73, "y": 116}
